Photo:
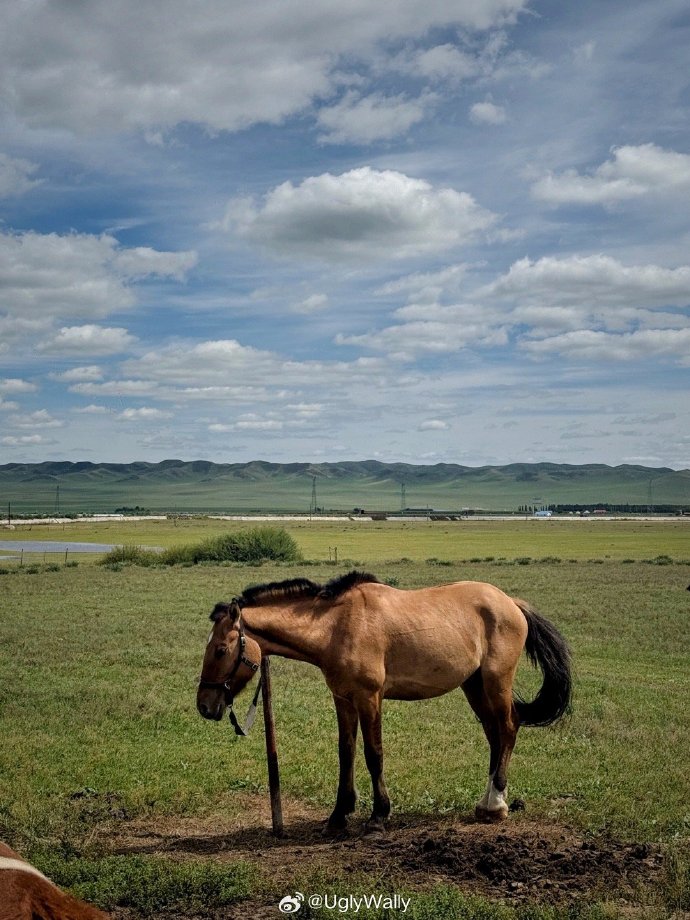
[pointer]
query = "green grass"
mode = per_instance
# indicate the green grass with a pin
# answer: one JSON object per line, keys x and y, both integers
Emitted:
{"x": 391, "y": 540}
{"x": 98, "y": 672}
{"x": 149, "y": 884}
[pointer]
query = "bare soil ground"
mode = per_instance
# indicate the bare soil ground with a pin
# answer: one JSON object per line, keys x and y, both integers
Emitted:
{"x": 521, "y": 859}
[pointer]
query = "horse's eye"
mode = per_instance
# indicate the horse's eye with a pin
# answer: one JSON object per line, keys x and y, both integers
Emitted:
{"x": 220, "y": 651}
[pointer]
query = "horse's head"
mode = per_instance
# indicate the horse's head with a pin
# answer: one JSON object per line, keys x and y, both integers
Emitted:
{"x": 230, "y": 661}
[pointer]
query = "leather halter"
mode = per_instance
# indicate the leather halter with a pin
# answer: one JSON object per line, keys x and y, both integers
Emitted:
{"x": 224, "y": 685}
{"x": 241, "y": 659}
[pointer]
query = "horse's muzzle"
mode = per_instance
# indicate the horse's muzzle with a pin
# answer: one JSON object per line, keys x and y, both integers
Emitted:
{"x": 210, "y": 710}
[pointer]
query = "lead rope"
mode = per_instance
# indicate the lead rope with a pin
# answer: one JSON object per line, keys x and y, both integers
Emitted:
{"x": 243, "y": 730}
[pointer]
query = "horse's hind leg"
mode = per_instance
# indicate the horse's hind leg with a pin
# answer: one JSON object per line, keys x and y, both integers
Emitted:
{"x": 491, "y": 698}
{"x": 499, "y": 698}
{"x": 347, "y": 741}
{"x": 473, "y": 689}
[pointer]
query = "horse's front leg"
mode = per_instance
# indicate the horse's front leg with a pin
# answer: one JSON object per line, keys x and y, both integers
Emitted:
{"x": 369, "y": 709}
{"x": 346, "y": 800}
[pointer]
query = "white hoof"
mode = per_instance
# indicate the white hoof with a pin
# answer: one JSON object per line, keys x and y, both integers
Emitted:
{"x": 492, "y": 806}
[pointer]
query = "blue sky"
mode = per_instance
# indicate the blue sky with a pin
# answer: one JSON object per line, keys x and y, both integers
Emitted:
{"x": 454, "y": 231}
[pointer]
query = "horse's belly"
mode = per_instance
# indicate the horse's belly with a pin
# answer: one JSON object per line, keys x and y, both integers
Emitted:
{"x": 429, "y": 663}
{"x": 434, "y": 681}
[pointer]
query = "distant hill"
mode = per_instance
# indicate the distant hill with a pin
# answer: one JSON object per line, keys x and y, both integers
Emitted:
{"x": 200, "y": 485}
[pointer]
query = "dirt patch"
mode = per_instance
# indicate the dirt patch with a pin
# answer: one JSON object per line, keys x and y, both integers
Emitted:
{"x": 535, "y": 861}
{"x": 518, "y": 860}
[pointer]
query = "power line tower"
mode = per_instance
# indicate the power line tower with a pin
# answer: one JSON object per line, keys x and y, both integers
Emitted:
{"x": 313, "y": 507}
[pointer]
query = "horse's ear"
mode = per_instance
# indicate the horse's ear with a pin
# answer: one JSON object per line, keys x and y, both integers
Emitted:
{"x": 224, "y": 608}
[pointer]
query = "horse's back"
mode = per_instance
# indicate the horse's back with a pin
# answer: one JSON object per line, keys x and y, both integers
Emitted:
{"x": 455, "y": 602}
{"x": 433, "y": 639}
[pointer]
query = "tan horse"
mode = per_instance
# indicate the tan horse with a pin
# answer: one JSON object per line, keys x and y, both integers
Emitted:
{"x": 374, "y": 642}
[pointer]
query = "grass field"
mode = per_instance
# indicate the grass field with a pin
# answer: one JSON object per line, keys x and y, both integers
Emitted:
{"x": 102, "y": 744}
{"x": 392, "y": 540}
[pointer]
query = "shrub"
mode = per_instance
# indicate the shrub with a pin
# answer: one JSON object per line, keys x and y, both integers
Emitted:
{"x": 257, "y": 544}
{"x": 253, "y": 546}
{"x": 129, "y": 554}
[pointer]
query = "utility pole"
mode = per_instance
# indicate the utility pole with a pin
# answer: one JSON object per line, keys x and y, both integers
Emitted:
{"x": 313, "y": 507}
{"x": 403, "y": 499}
{"x": 56, "y": 511}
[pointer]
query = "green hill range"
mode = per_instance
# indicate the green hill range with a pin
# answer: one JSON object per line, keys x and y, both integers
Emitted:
{"x": 259, "y": 486}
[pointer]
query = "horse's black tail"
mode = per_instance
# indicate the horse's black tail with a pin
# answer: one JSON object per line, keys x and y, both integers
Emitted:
{"x": 546, "y": 649}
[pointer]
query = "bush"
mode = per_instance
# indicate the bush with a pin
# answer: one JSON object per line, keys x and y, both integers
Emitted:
{"x": 253, "y": 546}
{"x": 129, "y": 554}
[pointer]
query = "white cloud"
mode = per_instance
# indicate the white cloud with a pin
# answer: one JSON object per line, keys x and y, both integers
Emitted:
{"x": 487, "y": 113}
{"x": 118, "y": 388}
{"x": 41, "y": 418}
{"x": 488, "y": 59}
{"x": 77, "y": 374}
{"x": 365, "y": 119}
{"x": 433, "y": 424}
{"x": 591, "y": 345}
{"x": 590, "y": 281}
{"x": 426, "y": 286}
{"x": 76, "y": 275}
{"x": 218, "y": 370}
{"x": 92, "y": 409}
{"x": 435, "y": 328}
{"x": 306, "y": 410}
{"x": 312, "y": 304}
{"x": 116, "y": 65}
{"x": 15, "y": 176}
{"x": 24, "y": 440}
{"x": 251, "y": 422}
{"x": 441, "y": 62}
{"x": 6, "y": 405}
{"x": 632, "y": 172}
{"x": 16, "y": 385}
{"x": 143, "y": 414}
{"x": 363, "y": 214}
{"x": 88, "y": 339}
{"x": 143, "y": 262}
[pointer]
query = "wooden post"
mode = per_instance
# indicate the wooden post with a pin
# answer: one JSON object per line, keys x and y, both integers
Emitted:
{"x": 271, "y": 751}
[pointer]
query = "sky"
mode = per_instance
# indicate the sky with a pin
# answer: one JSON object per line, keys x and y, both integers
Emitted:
{"x": 454, "y": 231}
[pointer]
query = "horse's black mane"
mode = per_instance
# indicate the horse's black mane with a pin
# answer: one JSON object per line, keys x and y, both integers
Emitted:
{"x": 342, "y": 583}
{"x": 295, "y": 588}
{"x": 255, "y": 595}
